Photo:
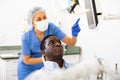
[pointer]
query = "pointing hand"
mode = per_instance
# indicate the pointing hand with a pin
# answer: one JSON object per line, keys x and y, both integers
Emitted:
{"x": 76, "y": 29}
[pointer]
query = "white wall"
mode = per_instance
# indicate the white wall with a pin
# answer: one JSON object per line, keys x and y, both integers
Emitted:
{"x": 13, "y": 19}
{"x": 104, "y": 41}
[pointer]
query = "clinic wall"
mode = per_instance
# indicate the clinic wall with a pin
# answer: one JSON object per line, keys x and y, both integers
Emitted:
{"x": 104, "y": 40}
{"x": 13, "y": 19}
{"x": 11, "y": 22}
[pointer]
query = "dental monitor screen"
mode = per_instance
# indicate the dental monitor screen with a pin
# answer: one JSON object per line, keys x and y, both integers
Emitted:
{"x": 91, "y": 14}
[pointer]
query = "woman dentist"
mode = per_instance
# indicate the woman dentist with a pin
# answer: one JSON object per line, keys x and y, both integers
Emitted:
{"x": 31, "y": 57}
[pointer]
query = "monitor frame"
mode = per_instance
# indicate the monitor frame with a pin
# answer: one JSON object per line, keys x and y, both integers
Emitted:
{"x": 91, "y": 14}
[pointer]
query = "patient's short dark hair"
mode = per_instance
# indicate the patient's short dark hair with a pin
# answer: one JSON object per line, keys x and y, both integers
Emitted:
{"x": 42, "y": 45}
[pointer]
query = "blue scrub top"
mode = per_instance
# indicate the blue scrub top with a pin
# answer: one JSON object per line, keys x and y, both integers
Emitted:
{"x": 31, "y": 46}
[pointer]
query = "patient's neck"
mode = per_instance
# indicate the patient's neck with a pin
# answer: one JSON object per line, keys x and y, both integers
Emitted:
{"x": 60, "y": 63}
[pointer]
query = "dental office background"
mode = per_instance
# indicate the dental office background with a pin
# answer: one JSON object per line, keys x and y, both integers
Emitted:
{"x": 102, "y": 41}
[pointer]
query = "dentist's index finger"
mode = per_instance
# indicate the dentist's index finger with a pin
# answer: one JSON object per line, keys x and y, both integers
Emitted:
{"x": 77, "y": 21}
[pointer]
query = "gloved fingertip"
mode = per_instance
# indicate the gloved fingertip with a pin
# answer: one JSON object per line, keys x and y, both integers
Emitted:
{"x": 77, "y": 20}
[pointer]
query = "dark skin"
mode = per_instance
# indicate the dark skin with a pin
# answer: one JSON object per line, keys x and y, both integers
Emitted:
{"x": 53, "y": 50}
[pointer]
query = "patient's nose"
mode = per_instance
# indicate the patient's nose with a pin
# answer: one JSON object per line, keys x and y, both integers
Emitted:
{"x": 58, "y": 44}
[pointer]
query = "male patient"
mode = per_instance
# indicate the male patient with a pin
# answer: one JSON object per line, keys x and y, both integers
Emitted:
{"x": 52, "y": 51}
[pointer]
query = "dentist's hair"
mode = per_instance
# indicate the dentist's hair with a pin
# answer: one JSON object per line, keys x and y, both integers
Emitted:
{"x": 32, "y": 12}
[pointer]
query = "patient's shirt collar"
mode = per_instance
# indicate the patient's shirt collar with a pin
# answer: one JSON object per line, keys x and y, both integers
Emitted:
{"x": 50, "y": 65}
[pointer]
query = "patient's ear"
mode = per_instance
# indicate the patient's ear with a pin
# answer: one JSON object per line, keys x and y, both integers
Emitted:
{"x": 43, "y": 52}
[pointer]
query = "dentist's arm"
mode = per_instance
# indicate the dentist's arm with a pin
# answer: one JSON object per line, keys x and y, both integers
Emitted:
{"x": 29, "y": 60}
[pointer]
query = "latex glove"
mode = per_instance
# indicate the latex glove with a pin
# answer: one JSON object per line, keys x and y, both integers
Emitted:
{"x": 76, "y": 29}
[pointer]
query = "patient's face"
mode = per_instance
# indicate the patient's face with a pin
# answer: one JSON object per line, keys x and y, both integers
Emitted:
{"x": 53, "y": 48}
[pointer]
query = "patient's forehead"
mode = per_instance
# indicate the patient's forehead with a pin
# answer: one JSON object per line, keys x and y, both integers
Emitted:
{"x": 51, "y": 38}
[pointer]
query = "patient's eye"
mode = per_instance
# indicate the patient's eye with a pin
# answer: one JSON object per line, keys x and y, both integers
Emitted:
{"x": 51, "y": 42}
{"x": 54, "y": 41}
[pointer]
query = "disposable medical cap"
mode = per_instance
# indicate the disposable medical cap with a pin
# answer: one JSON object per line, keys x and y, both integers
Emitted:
{"x": 31, "y": 14}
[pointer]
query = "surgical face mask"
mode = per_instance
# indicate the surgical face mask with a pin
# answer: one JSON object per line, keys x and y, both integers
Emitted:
{"x": 42, "y": 25}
